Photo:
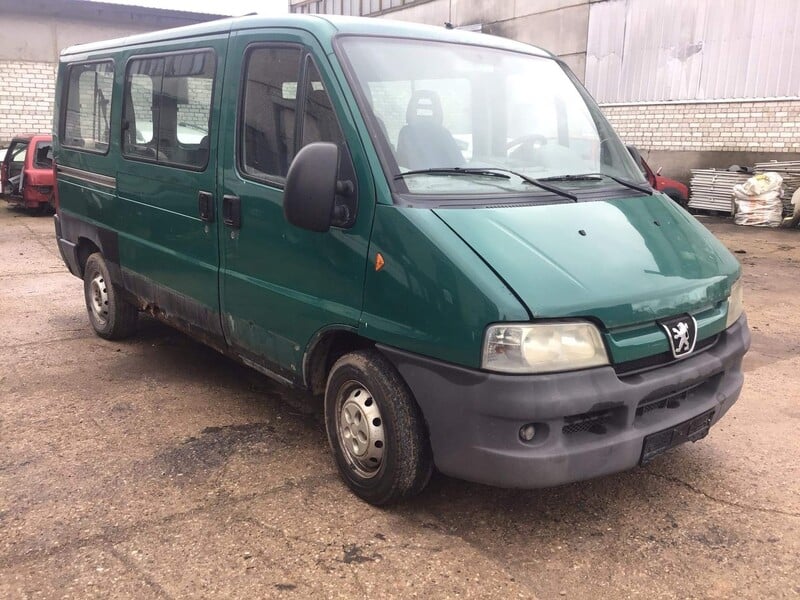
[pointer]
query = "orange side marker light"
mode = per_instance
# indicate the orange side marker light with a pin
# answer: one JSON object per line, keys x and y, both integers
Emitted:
{"x": 379, "y": 262}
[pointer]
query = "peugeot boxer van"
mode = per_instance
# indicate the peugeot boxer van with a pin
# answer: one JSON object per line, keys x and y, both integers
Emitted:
{"x": 436, "y": 230}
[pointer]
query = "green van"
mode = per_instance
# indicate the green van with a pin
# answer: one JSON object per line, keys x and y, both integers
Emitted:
{"x": 438, "y": 230}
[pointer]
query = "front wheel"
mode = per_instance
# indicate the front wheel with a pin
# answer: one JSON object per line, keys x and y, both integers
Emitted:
{"x": 375, "y": 429}
{"x": 111, "y": 316}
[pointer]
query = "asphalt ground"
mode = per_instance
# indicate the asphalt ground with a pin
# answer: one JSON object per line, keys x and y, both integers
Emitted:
{"x": 156, "y": 468}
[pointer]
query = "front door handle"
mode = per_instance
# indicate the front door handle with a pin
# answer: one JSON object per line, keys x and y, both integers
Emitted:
{"x": 232, "y": 211}
{"x": 205, "y": 206}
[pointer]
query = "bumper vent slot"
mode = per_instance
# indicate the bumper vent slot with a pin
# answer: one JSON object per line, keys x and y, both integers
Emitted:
{"x": 592, "y": 422}
{"x": 673, "y": 400}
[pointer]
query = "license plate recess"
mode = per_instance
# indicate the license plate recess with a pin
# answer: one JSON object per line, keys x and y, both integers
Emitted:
{"x": 692, "y": 430}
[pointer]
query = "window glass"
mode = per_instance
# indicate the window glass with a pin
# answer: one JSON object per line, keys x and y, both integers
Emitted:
{"x": 452, "y": 106}
{"x": 44, "y": 155}
{"x": 17, "y": 152}
{"x": 168, "y": 108}
{"x": 88, "y": 106}
{"x": 319, "y": 119}
{"x": 142, "y": 106}
{"x": 186, "y": 108}
{"x": 268, "y": 111}
{"x": 142, "y": 84}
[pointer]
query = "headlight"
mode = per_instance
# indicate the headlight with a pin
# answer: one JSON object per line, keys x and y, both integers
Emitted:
{"x": 735, "y": 303}
{"x": 543, "y": 347}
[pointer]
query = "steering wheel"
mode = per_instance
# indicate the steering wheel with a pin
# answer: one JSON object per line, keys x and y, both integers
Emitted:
{"x": 534, "y": 140}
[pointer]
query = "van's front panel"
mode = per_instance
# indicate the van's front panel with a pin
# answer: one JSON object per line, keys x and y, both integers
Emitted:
{"x": 633, "y": 337}
{"x": 280, "y": 285}
{"x": 582, "y": 423}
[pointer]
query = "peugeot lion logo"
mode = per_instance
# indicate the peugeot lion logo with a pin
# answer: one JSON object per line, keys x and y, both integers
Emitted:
{"x": 682, "y": 334}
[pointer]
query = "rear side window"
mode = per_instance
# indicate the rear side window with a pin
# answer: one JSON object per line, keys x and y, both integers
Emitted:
{"x": 168, "y": 108}
{"x": 85, "y": 125}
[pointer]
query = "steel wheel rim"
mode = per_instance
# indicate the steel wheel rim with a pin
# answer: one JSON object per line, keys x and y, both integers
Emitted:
{"x": 360, "y": 429}
{"x": 98, "y": 297}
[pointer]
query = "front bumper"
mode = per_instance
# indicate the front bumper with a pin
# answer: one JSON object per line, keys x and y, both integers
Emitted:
{"x": 588, "y": 423}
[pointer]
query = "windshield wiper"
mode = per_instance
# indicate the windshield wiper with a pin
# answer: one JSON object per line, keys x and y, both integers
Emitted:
{"x": 597, "y": 176}
{"x": 491, "y": 172}
{"x": 452, "y": 171}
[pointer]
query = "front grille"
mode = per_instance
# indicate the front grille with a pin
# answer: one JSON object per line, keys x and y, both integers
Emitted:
{"x": 673, "y": 400}
{"x": 632, "y": 367}
{"x": 591, "y": 422}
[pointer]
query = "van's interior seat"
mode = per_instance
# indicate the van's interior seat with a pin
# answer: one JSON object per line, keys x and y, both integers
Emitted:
{"x": 424, "y": 142}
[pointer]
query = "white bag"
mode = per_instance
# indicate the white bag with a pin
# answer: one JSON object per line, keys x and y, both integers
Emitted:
{"x": 765, "y": 210}
{"x": 758, "y": 200}
{"x": 762, "y": 183}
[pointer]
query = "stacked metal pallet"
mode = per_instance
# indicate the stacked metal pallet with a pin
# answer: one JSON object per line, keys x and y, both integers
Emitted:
{"x": 713, "y": 190}
{"x": 790, "y": 171}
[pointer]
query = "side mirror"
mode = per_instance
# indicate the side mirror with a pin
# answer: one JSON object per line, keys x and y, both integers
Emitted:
{"x": 310, "y": 192}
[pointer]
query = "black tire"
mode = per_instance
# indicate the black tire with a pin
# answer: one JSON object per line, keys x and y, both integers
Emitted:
{"x": 677, "y": 197}
{"x": 111, "y": 316}
{"x": 406, "y": 462}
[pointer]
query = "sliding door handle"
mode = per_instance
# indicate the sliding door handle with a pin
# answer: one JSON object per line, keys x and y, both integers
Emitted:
{"x": 232, "y": 211}
{"x": 205, "y": 206}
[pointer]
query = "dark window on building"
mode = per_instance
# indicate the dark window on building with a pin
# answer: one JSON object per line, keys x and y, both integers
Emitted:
{"x": 168, "y": 108}
{"x": 88, "y": 106}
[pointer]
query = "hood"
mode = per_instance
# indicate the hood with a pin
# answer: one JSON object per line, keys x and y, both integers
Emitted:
{"x": 623, "y": 261}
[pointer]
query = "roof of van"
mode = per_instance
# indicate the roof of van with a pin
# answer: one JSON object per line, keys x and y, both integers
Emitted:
{"x": 324, "y": 27}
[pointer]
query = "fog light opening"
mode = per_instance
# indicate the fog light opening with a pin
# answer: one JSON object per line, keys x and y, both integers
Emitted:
{"x": 527, "y": 432}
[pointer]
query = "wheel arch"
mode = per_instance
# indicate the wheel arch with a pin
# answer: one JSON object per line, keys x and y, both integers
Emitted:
{"x": 326, "y": 347}
{"x": 83, "y": 250}
{"x": 88, "y": 238}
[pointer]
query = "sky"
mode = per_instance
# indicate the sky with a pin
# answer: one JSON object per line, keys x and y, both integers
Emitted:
{"x": 217, "y": 7}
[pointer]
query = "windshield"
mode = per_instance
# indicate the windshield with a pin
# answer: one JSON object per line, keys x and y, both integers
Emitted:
{"x": 445, "y": 106}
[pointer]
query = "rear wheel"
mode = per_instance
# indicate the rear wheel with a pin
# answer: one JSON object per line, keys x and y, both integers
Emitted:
{"x": 376, "y": 430}
{"x": 111, "y": 316}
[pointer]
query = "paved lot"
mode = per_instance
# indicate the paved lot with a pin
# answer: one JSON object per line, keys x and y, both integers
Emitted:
{"x": 158, "y": 468}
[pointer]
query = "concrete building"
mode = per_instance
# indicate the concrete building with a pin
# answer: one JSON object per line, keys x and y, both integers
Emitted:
{"x": 33, "y": 34}
{"x": 690, "y": 82}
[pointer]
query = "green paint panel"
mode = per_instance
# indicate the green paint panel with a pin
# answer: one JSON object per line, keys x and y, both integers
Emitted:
{"x": 640, "y": 341}
{"x": 640, "y": 259}
{"x": 280, "y": 284}
{"x": 433, "y": 296}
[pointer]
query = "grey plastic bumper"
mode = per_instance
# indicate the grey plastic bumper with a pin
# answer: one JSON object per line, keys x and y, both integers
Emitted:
{"x": 67, "y": 249}
{"x": 474, "y": 417}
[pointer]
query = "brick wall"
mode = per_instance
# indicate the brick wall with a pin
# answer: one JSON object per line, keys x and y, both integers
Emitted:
{"x": 195, "y": 114}
{"x": 26, "y": 98}
{"x": 766, "y": 126}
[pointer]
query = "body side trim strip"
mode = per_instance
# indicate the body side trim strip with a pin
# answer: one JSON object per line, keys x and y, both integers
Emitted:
{"x": 103, "y": 180}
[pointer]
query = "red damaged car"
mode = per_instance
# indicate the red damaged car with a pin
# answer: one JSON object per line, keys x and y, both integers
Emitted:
{"x": 26, "y": 173}
{"x": 671, "y": 187}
